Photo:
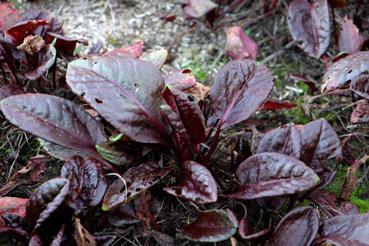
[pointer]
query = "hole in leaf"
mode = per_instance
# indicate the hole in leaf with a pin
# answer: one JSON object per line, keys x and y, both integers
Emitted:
{"x": 178, "y": 192}
{"x": 97, "y": 100}
{"x": 350, "y": 71}
{"x": 191, "y": 98}
{"x": 83, "y": 94}
{"x": 300, "y": 42}
{"x": 186, "y": 70}
{"x": 129, "y": 194}
{"x": 138, "y": 189}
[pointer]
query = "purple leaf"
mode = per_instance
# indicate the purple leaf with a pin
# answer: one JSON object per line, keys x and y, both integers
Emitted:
{"x": 8, "y": 15}
{"x": 125, "y": 91}
{"x": 63, "y": 45}
{"x": 57, "y": 241}
{"x": 54, "y": 119}
{"x": 326, "y": 202}
{"x": 188, "y": 111}
{"x": 198, "y": 184}
{"x": 179, "y": 79}
{"x": 240, "y": 88}
{"x": 61, "y": 152}
{"x": 273, "y": 174}
{"x": 350, "y": 40}
{"x": 178, "y": 133}
{"x": 245, "y": 231}
{"x": 211, "y": 226}
{"x": 123, "y": 215}
{"x": 134, "y": 50}
{"x": 239, "y": 45}
{"x": 276, "y": 105}
{"x": 114, "y": 153}
{"x": 132, "y": 183}
{"x": 309, "y": 25}
{"x": 361, "y": 112}
{"x": 285, "y": 140}
{"x": 340, "y": 74}
{"x": 348, "y": 227}
{"x": 23, "y": 29}
{"x": 87, "y": 183}
{"x": 337, "y": 241}
{"x": 360, "y": 85}
{"x": 298, "y": 227}
{"x": 198, "y": 8}
{"x": 47, "y": 60}
{"x": 319, "y": 143}
{"x": 46, "y": 200}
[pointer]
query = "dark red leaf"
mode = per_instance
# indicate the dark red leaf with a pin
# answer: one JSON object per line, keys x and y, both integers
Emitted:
{"x": 349, "y": 208}
{"x": 298, "y": 227}
{"x": 337, "y": 241}
{"x": 211, "y": 226}
{"x": 198, "y": 184}
{"x": 350, "y": 39}
{"x": 123, "y": 215}
{"x": 326, "y": 201}
{"x": 61, "y": 152}
{"x": 285, "y": 140}
{"x": 132, "y": 183}
{"x": 125, "y": 91}
{"x": 240, "y": 88}
{"x": 63, "y": 44}
{"x": 348, "y": 227}
{"x": 188, "y": 111}
{"x": 46, "y": 200}
{"x": 276, "y": 105}
{"x": 361, "y": 112}
{"x": 319, "y": 143}
{"x": 360, "y": 85}
{"x": 54, "y": 25}
{"x": 239, "y": 45}
{"x": 47, "y": 60}
{"x": 178, "y": 133}
{"x": 179, "y": 79}
{"x": 23, "y": 29}
{"x": 87, "y": 183}
{"x": 198, "y": 8}
{"x": 8, "y": 15}
{"x": 55, "y": 119}
{"x": 245, "y": 231}
{"x": 134, "y": 51}
{"x": 309, "y": 25}
{"x": 340, "y": 74}
{"x": 272, "y": 174}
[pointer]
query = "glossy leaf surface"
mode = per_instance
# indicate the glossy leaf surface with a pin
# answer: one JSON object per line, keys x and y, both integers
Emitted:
{"x": 272, "y": 174}
{"x": 285, "y": 140}
{"x": 125, "y": 91}
{"x": 319, "y": 143}
{"x": 240, "y": 88}
{"x": 188, "y": 111}
{"x": 54, "y": 119}
{"x": 198, "y": 185}
{"x": 136, "y": 180}
{"x": 340, "y": 74}
{"x": 298, "y": 227}
{"x": 350, "y": 40}
{"x": 87, "y": 183}
{"x": 309, "y": 25}
{"x": 349, "y": 227}
{"x": 45, "y": 200}
{"x": 210, "y": 226}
